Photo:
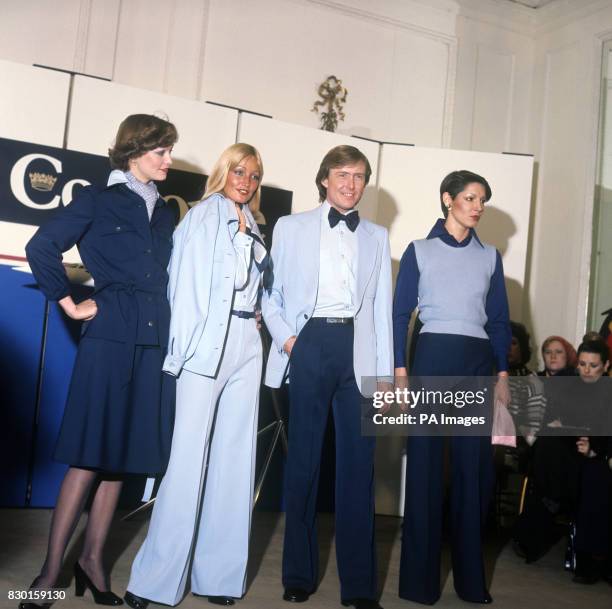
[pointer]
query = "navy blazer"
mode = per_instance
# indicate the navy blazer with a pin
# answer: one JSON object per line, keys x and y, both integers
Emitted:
{"x": 126, "y": 255}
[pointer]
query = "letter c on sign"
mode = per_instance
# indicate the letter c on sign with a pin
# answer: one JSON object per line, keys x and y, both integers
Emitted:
{"x": 68, "y": 190}
{"x": 17, "y": 177}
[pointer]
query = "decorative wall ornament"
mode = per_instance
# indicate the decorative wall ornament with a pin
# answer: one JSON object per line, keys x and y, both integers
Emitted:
{"x": 332, "y": 97}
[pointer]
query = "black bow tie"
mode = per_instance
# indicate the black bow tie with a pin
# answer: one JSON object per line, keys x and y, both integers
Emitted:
{"x": 351, "y": 220}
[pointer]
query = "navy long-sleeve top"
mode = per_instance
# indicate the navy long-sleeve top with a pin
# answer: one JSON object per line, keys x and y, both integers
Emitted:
{"x": 126, "y": 254}
{"x": 459, "y": 294}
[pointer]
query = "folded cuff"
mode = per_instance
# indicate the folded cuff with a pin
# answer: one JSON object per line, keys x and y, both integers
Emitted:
{"x": 173, "y": 364}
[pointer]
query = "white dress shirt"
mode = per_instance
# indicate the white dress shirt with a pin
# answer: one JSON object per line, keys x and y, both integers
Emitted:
{"x": 336, "y": 296}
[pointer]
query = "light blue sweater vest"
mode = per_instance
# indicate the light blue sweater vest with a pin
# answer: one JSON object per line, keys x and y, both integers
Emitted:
{"x": 453, "y": 286}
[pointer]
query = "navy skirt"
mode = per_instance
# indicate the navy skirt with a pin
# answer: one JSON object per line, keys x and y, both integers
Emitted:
{"x": 113, "y": 425}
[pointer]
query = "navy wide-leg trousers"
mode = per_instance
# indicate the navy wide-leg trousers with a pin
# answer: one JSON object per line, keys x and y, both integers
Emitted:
{"x": 472, "y": 480}
{"x": 321, "y": 376}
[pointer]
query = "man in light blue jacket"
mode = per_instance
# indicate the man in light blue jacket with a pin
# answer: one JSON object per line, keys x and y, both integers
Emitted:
{"x": 328, "y": 309}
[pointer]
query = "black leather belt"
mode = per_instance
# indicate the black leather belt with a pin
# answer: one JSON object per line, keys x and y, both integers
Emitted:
{"x": 244, "y": 314}
{"x": 334, "y": 320}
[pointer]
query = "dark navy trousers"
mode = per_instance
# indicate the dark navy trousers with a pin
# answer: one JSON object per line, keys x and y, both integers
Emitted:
{"x": 321, "y": 375}
{"x": 472, "y": 483}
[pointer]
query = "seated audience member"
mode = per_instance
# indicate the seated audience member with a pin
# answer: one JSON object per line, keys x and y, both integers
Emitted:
{"x": 559, "y": 357}
{"x": 520, "y": 350}
{"x": 552, "y": 468}
{"x": 527, "y": 403}
{"x": 594, "y": 504}
{"x": 592, "y": 335}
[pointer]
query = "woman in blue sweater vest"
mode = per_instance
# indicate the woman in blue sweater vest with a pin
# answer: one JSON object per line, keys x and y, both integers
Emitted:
{"x": 458, "y": 284}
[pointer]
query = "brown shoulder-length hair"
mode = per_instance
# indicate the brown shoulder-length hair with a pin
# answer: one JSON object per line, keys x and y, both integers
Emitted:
{"x": 232, "y": 157}
{"x": 338, "y": 157}
{"x": 140, "y": 133}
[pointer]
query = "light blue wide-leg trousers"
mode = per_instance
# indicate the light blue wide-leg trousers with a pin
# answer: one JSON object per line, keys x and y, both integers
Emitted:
{"x": 201, "y": 521}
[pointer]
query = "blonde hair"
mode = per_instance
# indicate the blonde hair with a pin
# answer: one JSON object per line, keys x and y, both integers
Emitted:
{"x": 230, "y": 158}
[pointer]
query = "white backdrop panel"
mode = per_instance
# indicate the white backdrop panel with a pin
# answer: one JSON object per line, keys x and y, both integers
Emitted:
{"x": 99, "y": 106}
{"x": 33, "y": 104}
{"x": 291, "y": 155}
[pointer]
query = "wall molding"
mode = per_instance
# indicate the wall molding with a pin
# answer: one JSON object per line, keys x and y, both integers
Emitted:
{"x": 199, "y": 94}
{"x": 383, "y": 19}
{"x": 169, "y": 45}
{"x": 555, "y": 16}
{"x": 490, "y": 51}
{"x": 591, "y": 174}
{"x": 449, "y": 41}
{"x": 116, "y": 42}
{"x": 449, "y": 95}
{"x": 508, "y": 135}
{"x": 82, "y": 36}
{"x": 514, "y": 18}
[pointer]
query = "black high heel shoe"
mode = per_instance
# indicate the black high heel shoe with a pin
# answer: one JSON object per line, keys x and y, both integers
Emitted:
{"x": 82, "y": 581}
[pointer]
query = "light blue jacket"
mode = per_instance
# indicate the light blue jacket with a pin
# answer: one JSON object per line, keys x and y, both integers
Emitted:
{"x": 204, "y": 270}
{"x": 290, "y": 299}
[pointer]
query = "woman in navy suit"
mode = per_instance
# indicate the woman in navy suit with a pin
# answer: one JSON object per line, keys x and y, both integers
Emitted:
{"x": 120, "y": 408}
{"x": 458, "y": 284}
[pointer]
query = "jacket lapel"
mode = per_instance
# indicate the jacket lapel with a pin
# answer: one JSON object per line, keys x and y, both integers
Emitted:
{"x": 366, "y": 258}
{"x": 309, "y": 247}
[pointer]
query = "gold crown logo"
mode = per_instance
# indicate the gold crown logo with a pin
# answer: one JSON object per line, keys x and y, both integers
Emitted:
{"x": 42, "y": 181}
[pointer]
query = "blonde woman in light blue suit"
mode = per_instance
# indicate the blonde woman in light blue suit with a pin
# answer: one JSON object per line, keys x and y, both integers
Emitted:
{"x": 202, "y": 516}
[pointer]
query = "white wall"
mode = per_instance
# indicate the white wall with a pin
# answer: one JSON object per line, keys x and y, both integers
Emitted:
{"x": 494, "y": 77}
{"x": 393, "y": 93}
{"x": 563, "y": 135}
{"x": 98, "y": 107}
{"x": 399, "y": 60}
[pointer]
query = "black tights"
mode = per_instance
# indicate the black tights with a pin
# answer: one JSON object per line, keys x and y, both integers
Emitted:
{"x": 74, "y": 491}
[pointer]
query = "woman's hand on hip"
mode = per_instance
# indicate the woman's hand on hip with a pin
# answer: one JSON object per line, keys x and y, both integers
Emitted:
{"x": 84, "y": 311}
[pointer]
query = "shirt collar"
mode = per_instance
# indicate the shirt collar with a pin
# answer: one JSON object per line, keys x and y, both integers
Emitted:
{"x": 439, "y": 231}
{"x": 232, "y": 214}
{"x": 116, "y": 177}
